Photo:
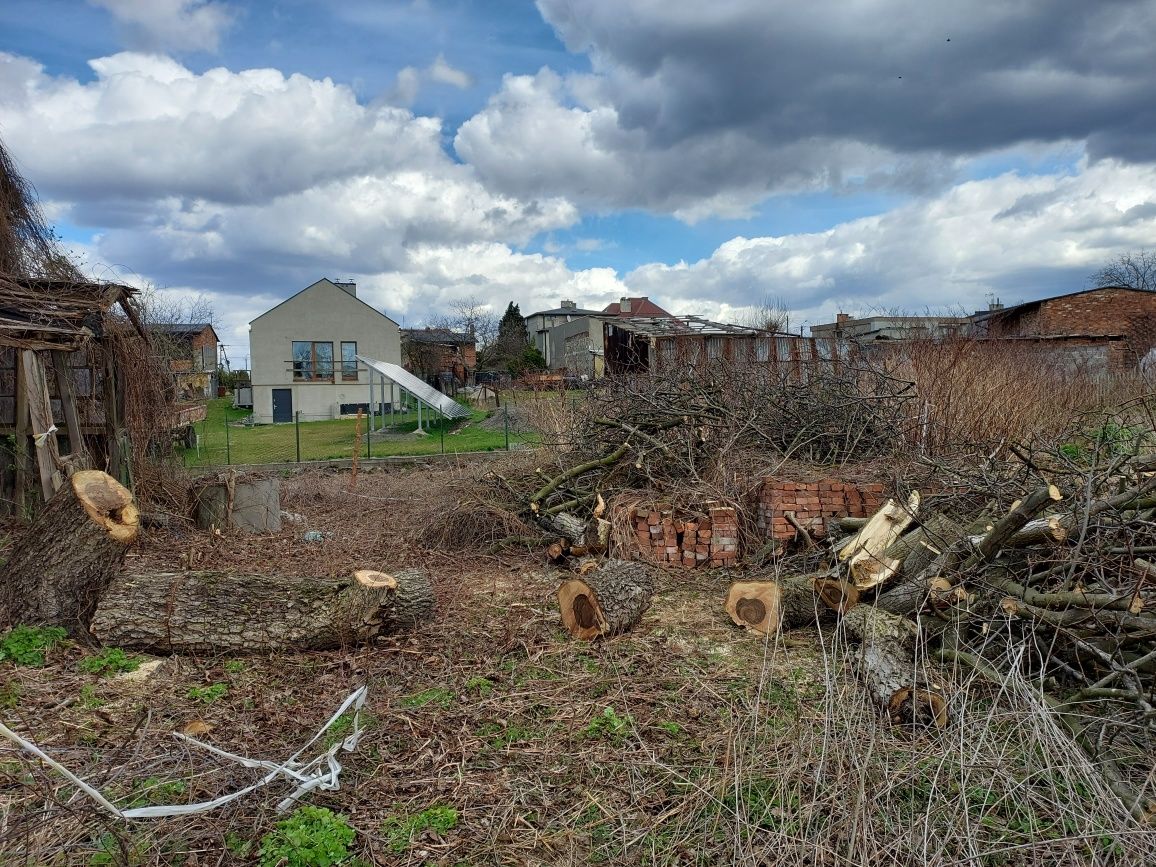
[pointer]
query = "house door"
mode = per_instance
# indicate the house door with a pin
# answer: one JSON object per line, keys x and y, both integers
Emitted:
{"x": 282, "y": 404}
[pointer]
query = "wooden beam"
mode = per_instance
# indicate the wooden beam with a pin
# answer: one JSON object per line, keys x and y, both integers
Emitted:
{"x": 21, "y": 422}
{"x": 43, "y": 432}
{"x": 66, "y": 388}
{"x": 116, "y": 457}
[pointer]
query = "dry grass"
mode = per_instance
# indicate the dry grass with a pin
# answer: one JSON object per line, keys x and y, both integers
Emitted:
{"x": 717, "y": 748}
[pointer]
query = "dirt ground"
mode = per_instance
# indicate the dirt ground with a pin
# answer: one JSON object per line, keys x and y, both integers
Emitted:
{"x": 494, "y": 739}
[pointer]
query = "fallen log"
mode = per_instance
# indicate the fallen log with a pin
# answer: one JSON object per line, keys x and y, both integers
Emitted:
{"x": 215, "y": 612}
{"x": 755, "y": 605}
{"x": 886, "y": 663}
{"x": 764, "y": 607}
{"x": 67, "y": 557}
{"x": 606, "y": 601}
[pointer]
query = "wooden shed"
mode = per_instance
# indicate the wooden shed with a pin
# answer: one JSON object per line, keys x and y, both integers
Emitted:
{"x": 61, "y": 402}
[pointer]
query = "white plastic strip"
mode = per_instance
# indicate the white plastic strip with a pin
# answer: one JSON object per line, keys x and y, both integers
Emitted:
{"x": 308, "y": 775}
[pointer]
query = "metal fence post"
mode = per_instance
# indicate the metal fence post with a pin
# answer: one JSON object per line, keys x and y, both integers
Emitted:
{"x": 228, "y": 450}
{"x": 297, "y": 429}
{"x": 507, "y": 425}
{"x": 369, "y": 440}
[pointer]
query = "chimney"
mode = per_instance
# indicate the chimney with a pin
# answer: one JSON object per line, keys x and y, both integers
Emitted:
{"x": 840, "y": 318}
{"x": 349, "y": 286}
{"x": 569, "y": 305}
{"x": 995, "y": 305}
{"x": 624, "y": 305}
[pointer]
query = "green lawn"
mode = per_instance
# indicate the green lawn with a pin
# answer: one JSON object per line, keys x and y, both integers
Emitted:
{"x": 327, "y": 440}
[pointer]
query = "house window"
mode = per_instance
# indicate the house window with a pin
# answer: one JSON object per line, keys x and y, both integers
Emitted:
{"x": 312, "y": 361}
{"x": 348, "y": 361}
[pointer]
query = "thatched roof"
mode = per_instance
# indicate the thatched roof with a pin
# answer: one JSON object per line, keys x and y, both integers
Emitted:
{"x": 42, "y": 313}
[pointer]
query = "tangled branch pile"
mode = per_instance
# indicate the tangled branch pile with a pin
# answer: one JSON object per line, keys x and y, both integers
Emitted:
{"x": 1051, "y": 580}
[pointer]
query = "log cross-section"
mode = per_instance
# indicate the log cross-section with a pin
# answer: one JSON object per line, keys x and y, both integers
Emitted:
{"x": 606, "y": 601}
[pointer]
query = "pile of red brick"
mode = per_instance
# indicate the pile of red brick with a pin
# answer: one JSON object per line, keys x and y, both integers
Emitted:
{"x": 691, "y": 540}
{"x": 813, "y": 503}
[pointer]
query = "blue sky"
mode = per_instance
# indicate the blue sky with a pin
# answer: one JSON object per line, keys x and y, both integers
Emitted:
{"x": 832, "y": 156}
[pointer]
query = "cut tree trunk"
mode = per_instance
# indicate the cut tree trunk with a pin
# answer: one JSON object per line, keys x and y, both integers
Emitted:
{"x": 755, "y": 605}
{"x": 866, "y": 553}
{"x": 251, "y": 504}
{"x": 805, "y": 597}
{"x": 67, "y": 557}
{"x": 214, "y": 612}
{"x": 886, "y": 663}
{"x": 606, "y": 601}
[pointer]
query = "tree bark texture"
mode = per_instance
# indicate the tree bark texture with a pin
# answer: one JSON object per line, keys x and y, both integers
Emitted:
{"x": 67, "y": 557}
{"x": 805, "y": 597}
{"x": 887, "y": 665}
{"x": 606, "y": 601}
{"x": 214, "y": 612}
{"x": 246, "y": 503}
{"x": 865, "y": 554}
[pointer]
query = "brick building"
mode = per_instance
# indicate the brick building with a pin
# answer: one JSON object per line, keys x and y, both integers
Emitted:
{"x": 443, "y": 358}
{"x": 1112, "y": 328}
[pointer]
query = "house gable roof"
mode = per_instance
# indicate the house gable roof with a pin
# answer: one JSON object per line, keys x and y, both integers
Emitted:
{"x": 184, "y": 329}
{"x": 1028, "y": 306}
{"x": 336, "y": 288}
{"x": 638, "y": 307}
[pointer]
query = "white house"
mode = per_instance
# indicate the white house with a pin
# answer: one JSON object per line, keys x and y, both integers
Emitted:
{"x": 304, "y": 353}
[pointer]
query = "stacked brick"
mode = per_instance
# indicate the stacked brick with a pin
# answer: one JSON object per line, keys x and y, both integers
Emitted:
{"x": 813, "y": 504}
{"x": 692, "y": 541}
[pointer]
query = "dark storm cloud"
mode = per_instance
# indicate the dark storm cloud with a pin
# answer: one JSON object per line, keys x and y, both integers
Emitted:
{"x": 905, "y": 75}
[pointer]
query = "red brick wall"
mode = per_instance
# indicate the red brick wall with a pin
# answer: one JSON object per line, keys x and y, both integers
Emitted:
{"x": 814, "y": 503}
{"x": 706, "y": 538}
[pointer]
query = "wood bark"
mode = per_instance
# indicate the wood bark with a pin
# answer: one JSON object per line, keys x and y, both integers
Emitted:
{"x": 215, "y": 612}
{"x": 67, "y": 557}
{"x": 887, "y": 665}
{"x": 804, "y": 598}
{"x": 606, "y": 601}
{"x": 251, "y": 504}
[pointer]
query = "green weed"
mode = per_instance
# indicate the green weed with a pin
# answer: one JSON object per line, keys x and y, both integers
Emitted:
{"x": 89, "y": 699}
{"x": 437, "y": 696}
{"x": 207, "y": 694}
{"x": 27, "y": 645}
{"x": 9, "y": 695}
{"x": 111, "y": 660}
{"x": 234, "y": 666}
{"x": 671, "y": 728}
{"x": 399, "y": 831}
{"x": 608, "y": 725}
{"x": 153, "y": 790}
{"x": 483, "y": 686}
{"x": 310, "y": 837}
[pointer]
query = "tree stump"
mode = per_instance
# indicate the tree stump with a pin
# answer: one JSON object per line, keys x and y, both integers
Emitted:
{"x": 214, "y": 612}
{"x": 606, "y": 601}
{"x": 67, "y": 557}
{"x": 764, "y": 607}
{"x": 887, "y": 665}
{"x": 251, "y": 504}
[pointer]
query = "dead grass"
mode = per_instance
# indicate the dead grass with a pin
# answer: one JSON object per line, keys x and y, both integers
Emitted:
{"x": 685, "y": 742}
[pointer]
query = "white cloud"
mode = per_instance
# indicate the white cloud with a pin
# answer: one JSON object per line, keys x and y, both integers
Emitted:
{"x": 1018, "y": 237}
{"x": 179, "y": 25}
{"x": 441, "y": 72}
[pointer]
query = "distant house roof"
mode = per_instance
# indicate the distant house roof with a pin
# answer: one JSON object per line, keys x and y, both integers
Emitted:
{"x": 1003, "y": 313}
{"x": 675, "y": 326}
{"x": 638, "y": 307}
{"x": 436, "y": 335}
{"x": 186, "y": 329}
{"x": 563, "y": 311}
{"x": 335, "y": 285}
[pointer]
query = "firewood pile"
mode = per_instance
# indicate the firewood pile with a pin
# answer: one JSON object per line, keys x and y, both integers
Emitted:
{"x": 1057, "y": 587}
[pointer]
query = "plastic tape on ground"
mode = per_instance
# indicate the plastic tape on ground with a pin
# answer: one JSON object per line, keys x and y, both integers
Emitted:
{"x": 321, "y": 772}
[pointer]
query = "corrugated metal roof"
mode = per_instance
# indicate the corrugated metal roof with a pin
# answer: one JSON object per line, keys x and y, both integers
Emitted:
{"x": 676, "y": 326}
{"x": 424, "y": 392}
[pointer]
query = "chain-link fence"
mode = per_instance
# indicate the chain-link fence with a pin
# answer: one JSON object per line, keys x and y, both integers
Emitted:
{"x": 232, "y": 436}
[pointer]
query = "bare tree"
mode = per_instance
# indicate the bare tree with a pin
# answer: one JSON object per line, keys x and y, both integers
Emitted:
{"x": 474, "y": 317}
{"x": 1135, "y": 270}
{"x": 770, "y": 314}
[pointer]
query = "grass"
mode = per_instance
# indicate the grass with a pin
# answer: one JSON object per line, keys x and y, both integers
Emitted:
{"x": 331, "y": 439}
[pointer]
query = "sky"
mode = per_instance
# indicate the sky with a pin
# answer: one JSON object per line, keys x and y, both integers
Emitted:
{"x": 831, "y": 156}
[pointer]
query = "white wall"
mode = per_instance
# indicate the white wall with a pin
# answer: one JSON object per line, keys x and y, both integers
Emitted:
{"x": 323, "y": 312}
